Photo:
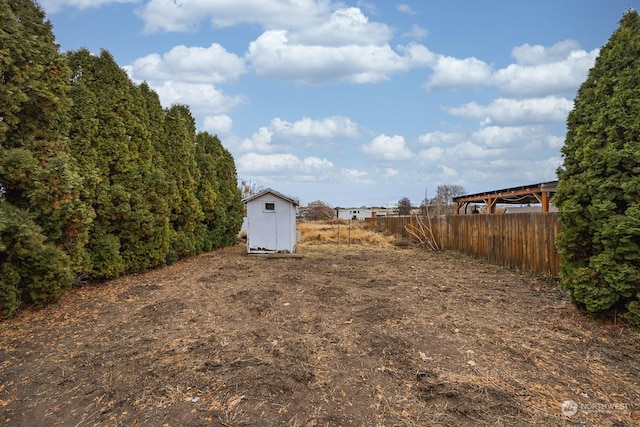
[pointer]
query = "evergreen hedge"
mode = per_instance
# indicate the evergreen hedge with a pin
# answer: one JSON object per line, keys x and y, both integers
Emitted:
{"x": 598, "y": 194}
{"x": 96, "y": 178}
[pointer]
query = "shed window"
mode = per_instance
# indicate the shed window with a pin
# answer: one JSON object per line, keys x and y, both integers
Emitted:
{"x": 269, "y": 206}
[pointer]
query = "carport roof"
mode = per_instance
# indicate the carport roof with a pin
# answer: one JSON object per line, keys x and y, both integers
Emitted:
{"x": 526, "y": 194}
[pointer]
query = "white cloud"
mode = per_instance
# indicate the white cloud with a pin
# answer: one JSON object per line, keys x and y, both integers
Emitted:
{"x": 315, "y": 163}
{"x": 417, "y": 55}
{"x": 260, "y": 141}
{"x": 453, "y": 73}
{"x": 273, "y": 55}
{"x": 527, "y": 54}
{"x": 541, "y": 71}
{"x": 304, "y": 41}
{"x": 503, "y": 111}
{"x": 431, "y": 155}
{"x": 518, "y": 171}
{"x": 474, "y": 151}
{"x": 185, "y": 15}
{"x": 510, "y": 137}
{"x": 355, "y": 176}
{"x": 453, "y": 148}
{"x": 389, "y": 172}
{"x": 388, "y": 148}
{"x": 344, "y": 27}
{"x": 509, "y": 173}
{"x": 253, "y": 162}
{"x": 185, "y": 75}
{"x": 440, "y": 138}
{"x": 53, "y": 6}
{"x": 468, "y": 152}
{"x": 405, "y": 8}
{"x": 201, "y": 98}
{"x": 416, "y": 32}
{"x": 327, "y": 128}
{"x": 211, "y": 64}
{"x": 488, "y": 145}
{"x": 448, "y": 173}
{"x": 555, "y": 142}
{"x": 218, "y": 125}
{"x": 281, "y": 132}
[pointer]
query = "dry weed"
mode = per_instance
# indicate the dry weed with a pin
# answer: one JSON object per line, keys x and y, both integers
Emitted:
{"x": 341, "y": 232}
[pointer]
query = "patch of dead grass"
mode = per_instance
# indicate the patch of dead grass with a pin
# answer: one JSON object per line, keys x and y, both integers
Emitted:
{"x": 341, "y": 232}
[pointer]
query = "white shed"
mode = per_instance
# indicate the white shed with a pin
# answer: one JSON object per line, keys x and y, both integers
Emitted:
{"x": 271, "y": 222}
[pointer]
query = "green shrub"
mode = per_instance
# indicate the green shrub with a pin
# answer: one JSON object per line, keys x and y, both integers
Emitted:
{"x": 598, "y": 193}
{"x": 32, "y": 271}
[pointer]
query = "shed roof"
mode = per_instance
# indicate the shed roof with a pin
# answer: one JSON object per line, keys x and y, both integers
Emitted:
{"x": 275, "y": 193}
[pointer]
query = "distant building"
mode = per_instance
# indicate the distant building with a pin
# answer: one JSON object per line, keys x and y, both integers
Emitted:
{"x": 271, "y": 222}
{"x": 356, "y": 214}
{"x": 385, "y": 212}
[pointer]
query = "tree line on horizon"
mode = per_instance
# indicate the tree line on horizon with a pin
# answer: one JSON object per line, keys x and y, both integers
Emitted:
{"x": 441, "y": 204}
{"x": 97, "y": 179}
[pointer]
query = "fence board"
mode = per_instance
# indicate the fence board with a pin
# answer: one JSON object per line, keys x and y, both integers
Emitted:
{"x": 520, "y": 241}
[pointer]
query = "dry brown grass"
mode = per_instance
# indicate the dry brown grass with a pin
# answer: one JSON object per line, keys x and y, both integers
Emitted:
{"x": 341, "y": 232}
{"x": 357, "y": 335}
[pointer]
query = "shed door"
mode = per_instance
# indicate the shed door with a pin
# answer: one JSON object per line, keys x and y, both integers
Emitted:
{"x": 264, "y": 233}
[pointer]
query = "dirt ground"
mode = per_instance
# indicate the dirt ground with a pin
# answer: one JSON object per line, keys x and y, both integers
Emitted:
{"x": 345, "y": 336}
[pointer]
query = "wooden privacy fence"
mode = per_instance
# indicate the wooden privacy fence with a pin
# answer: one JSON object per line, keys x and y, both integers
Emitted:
{"x": 521, "y": 241}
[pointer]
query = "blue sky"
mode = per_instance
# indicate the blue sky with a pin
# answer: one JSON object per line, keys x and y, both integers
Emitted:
{"x": 361, "y": 103}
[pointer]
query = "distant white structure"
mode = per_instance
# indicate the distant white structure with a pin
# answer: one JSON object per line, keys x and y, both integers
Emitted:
{"x": 358, "y": 214}
{"x": 271, "y": 222}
